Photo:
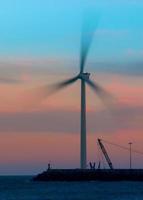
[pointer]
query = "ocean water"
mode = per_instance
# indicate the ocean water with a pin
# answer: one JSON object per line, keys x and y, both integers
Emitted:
{"x": 23, "y": 188}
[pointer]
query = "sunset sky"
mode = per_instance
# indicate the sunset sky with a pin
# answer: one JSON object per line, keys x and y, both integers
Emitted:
{"x": 40, "y": 44}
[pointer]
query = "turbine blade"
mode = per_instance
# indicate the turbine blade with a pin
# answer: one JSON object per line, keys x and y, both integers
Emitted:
{"x": 38, "y": 94}
{"x": 102, "y": 93}
{"x": 58, "y": 86}
{"x": 88, "y": 29}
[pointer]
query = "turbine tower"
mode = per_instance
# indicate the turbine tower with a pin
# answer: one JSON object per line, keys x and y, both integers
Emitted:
{"x": 84, "y": 77}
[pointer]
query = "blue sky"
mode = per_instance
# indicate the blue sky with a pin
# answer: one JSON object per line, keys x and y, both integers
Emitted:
{"x": 52, "y": 28}
{"x": 39, "y": 42}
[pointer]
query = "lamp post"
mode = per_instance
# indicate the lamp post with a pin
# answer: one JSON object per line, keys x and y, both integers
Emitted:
{"x": 130, "y": 143}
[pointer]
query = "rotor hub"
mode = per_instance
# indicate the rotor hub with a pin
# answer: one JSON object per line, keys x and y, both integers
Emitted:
{"x": 84, "y": 76}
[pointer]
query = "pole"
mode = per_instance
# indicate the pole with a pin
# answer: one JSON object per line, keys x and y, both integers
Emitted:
{"x": 83, "y": 126}
{"x": 130, "y": 143}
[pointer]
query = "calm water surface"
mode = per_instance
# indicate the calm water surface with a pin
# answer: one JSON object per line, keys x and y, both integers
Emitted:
{"x": 22, "y": 188}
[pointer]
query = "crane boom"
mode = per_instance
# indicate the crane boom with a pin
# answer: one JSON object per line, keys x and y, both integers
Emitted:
{"x": 105, "y": 154}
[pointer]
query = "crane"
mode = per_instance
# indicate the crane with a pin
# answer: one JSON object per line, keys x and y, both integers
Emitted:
{"x": 105, "y": 154}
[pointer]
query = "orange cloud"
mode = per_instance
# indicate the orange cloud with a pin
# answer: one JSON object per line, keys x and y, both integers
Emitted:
{"x": 64, "y": 150}
{"x": 49, "y": 131}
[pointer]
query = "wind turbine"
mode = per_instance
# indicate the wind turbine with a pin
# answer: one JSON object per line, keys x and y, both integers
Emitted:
{"x": 84, "y": 78}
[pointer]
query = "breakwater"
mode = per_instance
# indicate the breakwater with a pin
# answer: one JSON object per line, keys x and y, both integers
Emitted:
{"x": 90, "y": 175}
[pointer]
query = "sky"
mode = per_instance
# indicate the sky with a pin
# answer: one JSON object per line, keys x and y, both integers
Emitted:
{"x": 40, "y": 45}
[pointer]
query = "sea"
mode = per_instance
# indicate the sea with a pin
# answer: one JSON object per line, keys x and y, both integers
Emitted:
{"x": 23, "y": 188}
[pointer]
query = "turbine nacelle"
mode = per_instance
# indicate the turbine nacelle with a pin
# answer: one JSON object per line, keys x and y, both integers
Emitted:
{"x": 84, "y": 76}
